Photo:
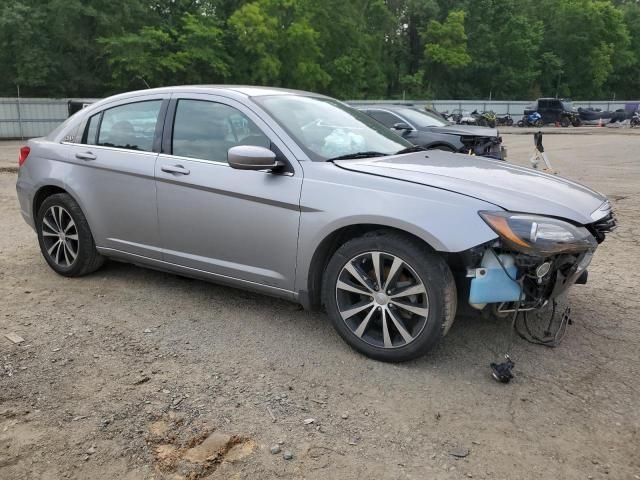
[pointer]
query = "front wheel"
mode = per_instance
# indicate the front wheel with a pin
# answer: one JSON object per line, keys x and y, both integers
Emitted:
{"x": 64, "y": 236}
{"x": 388, "y": 296}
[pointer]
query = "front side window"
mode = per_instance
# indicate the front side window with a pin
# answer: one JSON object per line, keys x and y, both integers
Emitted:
{"x": 385, "y": 118}
{"x": 325, "y": 128}
{"x": 207, "y": 130}
{"x": 422, "y": 118}
{"x": 130, "y": 126}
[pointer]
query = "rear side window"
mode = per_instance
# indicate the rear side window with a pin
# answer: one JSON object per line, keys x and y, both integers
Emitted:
{"x": 207, "y": 130}
{"x": 91, "y": 133}
{"x": 130, "y": 126}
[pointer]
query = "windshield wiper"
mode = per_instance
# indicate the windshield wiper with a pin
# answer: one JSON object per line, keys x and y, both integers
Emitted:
{"x": 351, "y": 156}
{"x": 415, "y": 148}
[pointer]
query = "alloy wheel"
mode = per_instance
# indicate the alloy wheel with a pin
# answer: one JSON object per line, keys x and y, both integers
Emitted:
{"x": 382, "y": 300}
{"x": 60, "y": 236}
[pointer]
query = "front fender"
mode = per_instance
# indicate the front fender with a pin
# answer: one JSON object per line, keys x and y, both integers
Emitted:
{"x": 333, "y": 198}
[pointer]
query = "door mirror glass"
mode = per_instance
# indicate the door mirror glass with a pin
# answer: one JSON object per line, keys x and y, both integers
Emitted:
{"x": 251, "y": 157}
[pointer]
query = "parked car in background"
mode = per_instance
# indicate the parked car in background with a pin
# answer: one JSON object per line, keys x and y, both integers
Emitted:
{"x": 297, "y": 195}
{"x": 554, "y": 110}
{"x": 433, "y": 132}
{"x": 594, "y": 116}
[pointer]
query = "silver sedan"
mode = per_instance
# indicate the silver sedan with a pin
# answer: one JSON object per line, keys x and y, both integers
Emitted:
{"x": 297, "y": 195}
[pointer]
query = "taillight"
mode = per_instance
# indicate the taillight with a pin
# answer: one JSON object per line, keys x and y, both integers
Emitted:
{"x": 24, "y": 153}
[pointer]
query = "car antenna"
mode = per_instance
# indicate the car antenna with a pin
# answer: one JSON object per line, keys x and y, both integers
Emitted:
{"x": 539, "y": 155}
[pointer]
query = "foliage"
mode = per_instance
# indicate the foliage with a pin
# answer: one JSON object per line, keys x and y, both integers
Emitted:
{"x": 506, "y": 49}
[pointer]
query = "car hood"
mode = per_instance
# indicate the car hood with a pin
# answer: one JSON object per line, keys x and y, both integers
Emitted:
{"x": 508, "y": 186}
{"x": 465, "y": 130}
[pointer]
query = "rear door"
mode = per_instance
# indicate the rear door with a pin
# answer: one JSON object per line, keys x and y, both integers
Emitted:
{"x": 232, "y": 223}
{"x": 115, "y": 176}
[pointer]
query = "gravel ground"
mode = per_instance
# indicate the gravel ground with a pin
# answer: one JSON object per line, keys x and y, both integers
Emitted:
{"x": 130, "y": 373}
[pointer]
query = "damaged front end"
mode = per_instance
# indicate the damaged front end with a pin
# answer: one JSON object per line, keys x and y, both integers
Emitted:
{"x": 534, "y": 261}
{"x": 484, "y": 146}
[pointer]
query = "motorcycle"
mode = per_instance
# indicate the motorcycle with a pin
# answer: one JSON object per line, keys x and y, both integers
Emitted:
{"x": 484, "y": 119}
{"x": 534, "y": 119}
{"x": 635, "y": 120}
{"x": 504, "y": 120}
{"x": 570, "y": 118}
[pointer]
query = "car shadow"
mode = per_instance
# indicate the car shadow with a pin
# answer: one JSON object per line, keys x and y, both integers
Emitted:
{"x": 473, "y": 340}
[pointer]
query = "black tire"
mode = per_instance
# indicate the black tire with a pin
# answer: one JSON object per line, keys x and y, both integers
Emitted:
{"x": 564, "y": 122}
{"x": 510, "y": 122}
{"x": 521, "y": 123}
{"x": 576, "y": 122}
{"x": 87, "y": 258}
{"x": 432, "y": 271}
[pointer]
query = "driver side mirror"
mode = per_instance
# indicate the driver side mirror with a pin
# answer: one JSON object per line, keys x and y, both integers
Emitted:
{"x": 252, "y": 157}
{"x": 401, "y": 126}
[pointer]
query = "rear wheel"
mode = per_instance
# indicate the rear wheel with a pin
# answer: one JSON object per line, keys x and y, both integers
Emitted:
{"x": 564, "y": 121}
{"x": 65, "y": 240}
{"x": 388, "y": 296}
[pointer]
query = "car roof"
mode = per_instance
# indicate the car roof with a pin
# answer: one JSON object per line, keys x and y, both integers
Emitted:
{"x": 234, "y": 91}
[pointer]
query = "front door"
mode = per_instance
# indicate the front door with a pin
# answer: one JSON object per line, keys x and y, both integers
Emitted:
{"x": 232, "y": 223}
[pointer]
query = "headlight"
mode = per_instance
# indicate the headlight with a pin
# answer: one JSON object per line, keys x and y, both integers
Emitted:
{"x": 539, "y": 235}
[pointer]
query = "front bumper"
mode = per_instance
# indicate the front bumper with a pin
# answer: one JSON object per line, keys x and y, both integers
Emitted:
{"x": 487, "y": 147}
{"x": 510, "y": 280}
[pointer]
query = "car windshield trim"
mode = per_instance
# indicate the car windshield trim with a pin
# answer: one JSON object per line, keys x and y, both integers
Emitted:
{"x": 325, "y": 128}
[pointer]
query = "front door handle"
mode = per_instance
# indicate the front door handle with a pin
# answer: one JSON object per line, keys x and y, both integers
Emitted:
{"x": 85, "y": 156}
{"x": 175, "y": 169}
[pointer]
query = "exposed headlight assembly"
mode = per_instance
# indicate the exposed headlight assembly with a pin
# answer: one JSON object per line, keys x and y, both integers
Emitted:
{"x": 538, "y": 235}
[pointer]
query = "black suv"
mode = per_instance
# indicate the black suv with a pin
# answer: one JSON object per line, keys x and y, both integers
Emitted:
{"x": 430, "y": 130}
{"x": 555, "y": 110}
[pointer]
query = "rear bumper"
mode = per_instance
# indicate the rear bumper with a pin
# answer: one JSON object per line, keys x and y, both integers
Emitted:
{"x": 24, "y": 190}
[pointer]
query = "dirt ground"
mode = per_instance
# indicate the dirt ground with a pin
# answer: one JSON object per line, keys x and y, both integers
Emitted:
{"x": 134, "y": 374}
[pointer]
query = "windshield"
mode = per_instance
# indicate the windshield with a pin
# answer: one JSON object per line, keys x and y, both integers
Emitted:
{"x": 325, "y": 128}
{"x": 421, "y": 118}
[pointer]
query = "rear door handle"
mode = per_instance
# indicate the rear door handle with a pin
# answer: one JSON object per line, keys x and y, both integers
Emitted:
{"x": 175, "y": 169}
{"x": 85, "y": 156}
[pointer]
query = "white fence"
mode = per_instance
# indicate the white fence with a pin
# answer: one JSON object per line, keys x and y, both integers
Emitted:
{"x": 500, "y": 107}
{"x": 36, "y": 117}
{"x": 32, "y": 117}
